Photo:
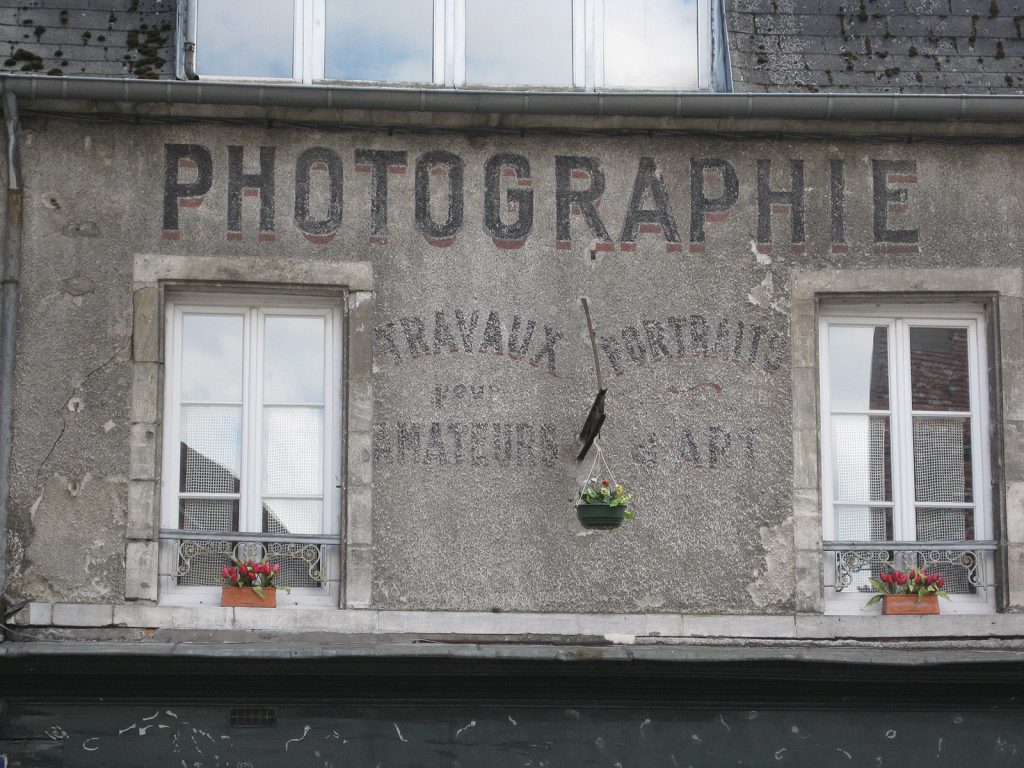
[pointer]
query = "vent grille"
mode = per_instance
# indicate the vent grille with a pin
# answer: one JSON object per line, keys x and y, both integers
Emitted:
{"x": 252, "y": 717}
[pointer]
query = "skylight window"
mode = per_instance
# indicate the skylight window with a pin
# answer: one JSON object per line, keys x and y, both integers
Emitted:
{"x": 587, "y": 45}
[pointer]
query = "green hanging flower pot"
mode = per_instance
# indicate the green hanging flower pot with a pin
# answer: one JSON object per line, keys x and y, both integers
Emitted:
{"x": 600, "y": 517}
{"x": 601, "y": 505}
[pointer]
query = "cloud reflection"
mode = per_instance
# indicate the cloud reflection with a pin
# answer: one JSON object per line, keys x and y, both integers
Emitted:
{"x": 245, "y": 38}
{"x": 527, "y": 42}
{"x": 211, "y": 358}
{"x": 650, "y": 43}
{"x": 391, "y": 41}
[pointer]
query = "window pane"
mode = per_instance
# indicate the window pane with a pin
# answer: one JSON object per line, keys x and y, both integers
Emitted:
{"x": 211, "y": 447}
{"x": 650, "y": 43}
{"x": 391, "y": 40}
{"x": 938, "y": 369}
{"x": 300, "y": 516}
{"x": 858, "y": 368}
{"x": 208, "y": 515}
{"x": 292, "y": 451}
{"x": 245, "y": 38}
{"x": 942, "y": 460}
{"x": 211, "y": 358}
{"x": 524, "y": 43}
{"x": 861, "y": 456}
{"x": 863, "y": 523}
{"x": 293, "y": 363}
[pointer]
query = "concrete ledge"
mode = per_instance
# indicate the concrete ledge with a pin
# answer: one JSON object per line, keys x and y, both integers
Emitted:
{"x": 354, "y": 275}
{"x": 1005, "y": 281}
{"x": 612, "y": 628}
{"x": 569, "y": 652}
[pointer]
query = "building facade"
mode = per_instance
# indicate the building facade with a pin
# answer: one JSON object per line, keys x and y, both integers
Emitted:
{"x": 358, "y": 328}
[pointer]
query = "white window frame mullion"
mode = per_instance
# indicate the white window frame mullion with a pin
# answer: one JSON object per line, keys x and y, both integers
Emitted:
{"x": 579, "y": 44}
{"x": 299, "y": 46}
{"x": 980, "y": 448}
{"x": 254, "y": 422}
{"x": 317, "y": 36}
{"x": 172, "y": 420}
{"x": 595, "y": 76}
{"x": 455, "y": 43}
{"x": 904, "y": 519}
{"x": 333, "y": 393}
{"x": 704, "y": 22}
{"x": 442, "y": 43}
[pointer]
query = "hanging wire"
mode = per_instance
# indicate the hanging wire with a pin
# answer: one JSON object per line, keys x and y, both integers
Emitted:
{"x": 599, "y": 458}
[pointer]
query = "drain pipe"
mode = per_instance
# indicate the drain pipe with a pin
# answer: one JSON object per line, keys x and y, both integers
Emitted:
{"x": 11, "y": 257}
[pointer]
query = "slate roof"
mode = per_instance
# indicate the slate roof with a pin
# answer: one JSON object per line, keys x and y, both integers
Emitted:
{"x": 908, "y": 46}
{"x": 112, "y": 38}
{"x": 860, "y": 46}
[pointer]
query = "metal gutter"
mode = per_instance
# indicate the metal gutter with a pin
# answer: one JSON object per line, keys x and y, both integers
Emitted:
{"x": 802, "y": 106}
{"x": 11, "y": 258}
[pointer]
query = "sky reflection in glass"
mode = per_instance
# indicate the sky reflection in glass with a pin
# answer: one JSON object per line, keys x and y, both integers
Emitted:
{"x": 855, "y": 353}
{"x": 245, "y": 38}
{"x": 526, "y": 42}
{"x": 391, "y": 40}
{"x": 650, "y": 44}
{"x": 211, "y": 358}
{"x": 293, "y": 365}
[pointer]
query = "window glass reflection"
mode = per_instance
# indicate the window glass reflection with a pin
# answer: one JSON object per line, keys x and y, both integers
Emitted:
{"x": 245, "y": 38}
{"x": 391, "y": 41}
{"x": 211, "y": 358}
{"x": 524, "y": 43}
{"x": 292, "y": 451}
{"x": 942, "y": 460}
{"x": 293, "y": 366}
{"x": 861, "y": 457}
{"x": 211, "y": 449}
{"x": 650, "y": 43}
{"x": 859, "y": 368}
{"x": 938, "y": 369}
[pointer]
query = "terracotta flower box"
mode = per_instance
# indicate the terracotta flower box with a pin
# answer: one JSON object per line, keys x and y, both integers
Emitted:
{"x": 908, "y": 605}
{"x": 246, "y": 597}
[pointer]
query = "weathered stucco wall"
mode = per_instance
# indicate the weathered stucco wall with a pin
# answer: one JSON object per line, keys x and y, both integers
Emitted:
{"x": 483, "y": 372}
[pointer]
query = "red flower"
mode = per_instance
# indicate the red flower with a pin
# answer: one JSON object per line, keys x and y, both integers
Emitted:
{"x": 277, "y": 567}
{"x": 940, "y": 582}
{"x": 604, "y": 483}
{"x": 901, "y": 579}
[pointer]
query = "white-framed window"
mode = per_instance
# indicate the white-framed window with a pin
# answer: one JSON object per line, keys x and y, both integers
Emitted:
{"x": 252, "y": 443}
{"x": 560, "y": 44}
{"x": 905, "y": 450}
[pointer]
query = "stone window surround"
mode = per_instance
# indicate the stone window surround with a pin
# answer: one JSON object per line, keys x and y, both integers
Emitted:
{"x": 152, "y": 276}
{"x": 1002, "y": 290}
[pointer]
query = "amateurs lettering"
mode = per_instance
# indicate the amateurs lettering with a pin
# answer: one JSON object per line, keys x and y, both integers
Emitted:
{"x": 509, "y": 198}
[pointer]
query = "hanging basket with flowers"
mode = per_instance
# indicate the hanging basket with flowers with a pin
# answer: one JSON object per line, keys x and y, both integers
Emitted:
{"x": 602, "y": 503}
{"x": 249, "y": 584}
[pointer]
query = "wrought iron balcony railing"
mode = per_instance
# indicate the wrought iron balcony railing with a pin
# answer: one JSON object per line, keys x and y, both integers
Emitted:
{"x": 962, "y": 563}
{"x": 199, "y": 555}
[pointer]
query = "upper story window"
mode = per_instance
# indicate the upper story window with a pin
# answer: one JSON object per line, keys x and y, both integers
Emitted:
{"x": 252, "y": 459}
{"x": 905, "y": 456}
{"x": 560, "y": 44}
